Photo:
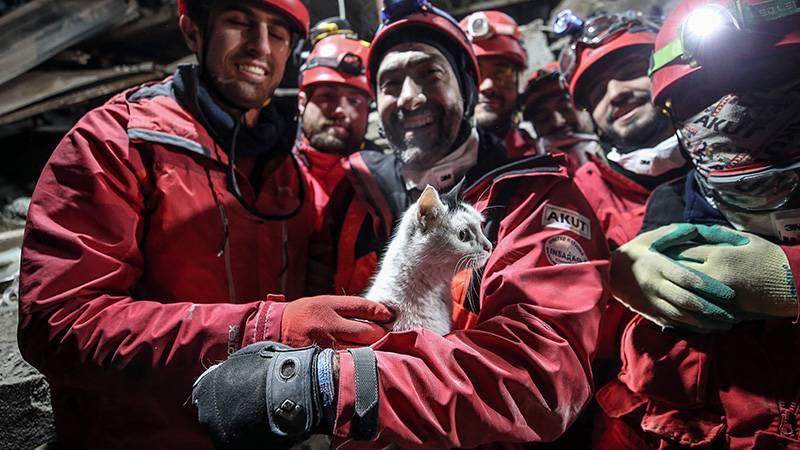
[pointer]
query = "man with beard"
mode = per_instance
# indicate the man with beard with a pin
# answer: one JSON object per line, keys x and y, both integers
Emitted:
{"x": 605, "y": 70}
{"x": 711, "y": 361}
{"x": 518, "y": 362}
{"x": 495, "y": 38}
{"x": 559, "y": 125}
{"x": 334, "y": 102}
{"x": 166, "y": 230}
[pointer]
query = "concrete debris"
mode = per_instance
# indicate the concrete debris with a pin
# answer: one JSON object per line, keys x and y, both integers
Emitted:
{"x": 26, "y": 417}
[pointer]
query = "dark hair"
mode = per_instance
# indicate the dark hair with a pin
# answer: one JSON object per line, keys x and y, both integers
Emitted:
{"x": 199, "y": 11}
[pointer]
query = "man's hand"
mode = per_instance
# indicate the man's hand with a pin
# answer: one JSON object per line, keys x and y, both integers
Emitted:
{"x": 266, "y": 395}
{"x": 756, "y": 269}
{"x": 334, "y": 321}
{"x": 649, "y": 276}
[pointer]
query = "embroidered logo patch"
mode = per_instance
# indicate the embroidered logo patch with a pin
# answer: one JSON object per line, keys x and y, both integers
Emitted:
{"x": 788, "y": 229}
{"x": 564, "y": 250}
{"x": 567, "y": 219}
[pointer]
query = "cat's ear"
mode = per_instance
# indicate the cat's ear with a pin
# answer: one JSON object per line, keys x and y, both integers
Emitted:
{"x": 429, "y": 207}
{"x": 456, "y": 191}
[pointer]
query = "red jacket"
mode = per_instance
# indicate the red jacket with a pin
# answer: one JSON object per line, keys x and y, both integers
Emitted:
{"x": 324, "y": 170}
{"x": 618, "y": 201}
{"x": 521, "y": 372}
{"x": 736, "y": 389}
{"x": 519, "y": 144}
{"x": 129, "y": 287}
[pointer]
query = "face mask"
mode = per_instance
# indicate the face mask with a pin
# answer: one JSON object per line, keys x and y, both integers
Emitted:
{"x": 653, "y": 161}
{"x": 759, "y": 129}
{"x": 747, "y": 153}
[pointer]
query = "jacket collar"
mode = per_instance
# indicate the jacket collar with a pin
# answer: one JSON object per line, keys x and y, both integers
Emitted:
{"x": 315, "y": 160}
{"x": 156, "y": 115}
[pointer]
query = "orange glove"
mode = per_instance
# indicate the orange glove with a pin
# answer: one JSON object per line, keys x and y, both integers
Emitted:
{"x": 334, "y": 321}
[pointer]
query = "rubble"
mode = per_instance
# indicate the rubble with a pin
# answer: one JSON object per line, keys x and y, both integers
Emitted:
{"x": 26, "y": 417}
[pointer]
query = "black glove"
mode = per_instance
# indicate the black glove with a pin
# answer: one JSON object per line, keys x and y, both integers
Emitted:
{"x": 266, "y": 395}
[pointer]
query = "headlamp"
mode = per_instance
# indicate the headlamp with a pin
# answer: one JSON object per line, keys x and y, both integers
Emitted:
{"x": 397, "y": 9}
{"x": 479, "y": 28}
{"x": 331, "y": 28}
{"x": 702, "y": 28}
{"x": 348, "y": 63}
{"x": 567, "y": 23}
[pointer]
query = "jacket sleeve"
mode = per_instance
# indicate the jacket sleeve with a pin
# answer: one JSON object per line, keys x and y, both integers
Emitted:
{"x": 792, "y": 253}
{"x": 81, "y": 322}
{"x": 523, "y": 372}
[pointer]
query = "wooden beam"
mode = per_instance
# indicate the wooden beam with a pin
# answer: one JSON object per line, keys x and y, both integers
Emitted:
{"x": 33, "y": 33}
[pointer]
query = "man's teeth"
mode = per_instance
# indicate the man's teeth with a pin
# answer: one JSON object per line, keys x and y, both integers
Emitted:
{"x": 419, "y": 122}
{"x": 255, "y": 70}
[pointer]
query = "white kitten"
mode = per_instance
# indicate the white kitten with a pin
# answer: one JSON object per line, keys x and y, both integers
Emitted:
{"x": 437, "y": 237}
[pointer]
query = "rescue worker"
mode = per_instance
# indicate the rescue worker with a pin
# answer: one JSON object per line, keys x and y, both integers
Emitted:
{"x": 496, "y": 41}
{"x": 517, "y": 368}
{"x": 715, "y": 365}
{"x": 165, "y": 232}
{"x": 334, "y": 102}
{"x": 559, "y": 125}
{"x": 605, "y": 70}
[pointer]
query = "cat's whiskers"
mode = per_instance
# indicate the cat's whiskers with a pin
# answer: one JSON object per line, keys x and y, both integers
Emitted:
{"x": 461, "y": 264}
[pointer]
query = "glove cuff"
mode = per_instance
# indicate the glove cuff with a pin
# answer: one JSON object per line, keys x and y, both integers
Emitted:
{"x": 293, "y": 397}
{"x": 327, "y": 388}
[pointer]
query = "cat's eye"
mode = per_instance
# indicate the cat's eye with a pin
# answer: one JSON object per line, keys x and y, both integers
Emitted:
{"x": 464, "y": 235}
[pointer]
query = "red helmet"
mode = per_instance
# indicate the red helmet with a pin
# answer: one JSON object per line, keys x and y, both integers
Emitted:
{"x": 337, "y": 58}
{"x": 294, "y": 10}
{"x": 691, "y": 69}
{"x": 601, "y": 37}
{"x": 425, "y": 22}
{"x": 494, "y": 33}
{"x": 542, "y": 83}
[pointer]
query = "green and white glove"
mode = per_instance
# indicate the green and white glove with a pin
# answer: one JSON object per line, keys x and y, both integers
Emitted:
{"x": 755, "y": 268}
{"x": 647, "y": 278}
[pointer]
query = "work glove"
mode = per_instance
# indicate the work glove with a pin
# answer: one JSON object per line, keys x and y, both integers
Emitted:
{"x": 334, "y": 321}
{"x": 266, "y": 395}
{"x": 756, "y": 269}
{"x": 648, "y": 276}
{"x": 271, "y": 396}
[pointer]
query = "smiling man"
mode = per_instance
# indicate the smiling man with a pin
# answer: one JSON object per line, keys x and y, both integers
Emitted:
{"x": 605, "y": 70}
{"x": 518, "y": 363}
{"x": 606, "y": 74}
{"x": 496, "y": 40}
{"x": 559, "y": 125}
{"x": 422, "y": 125}
{"x": 159, "y": 228}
